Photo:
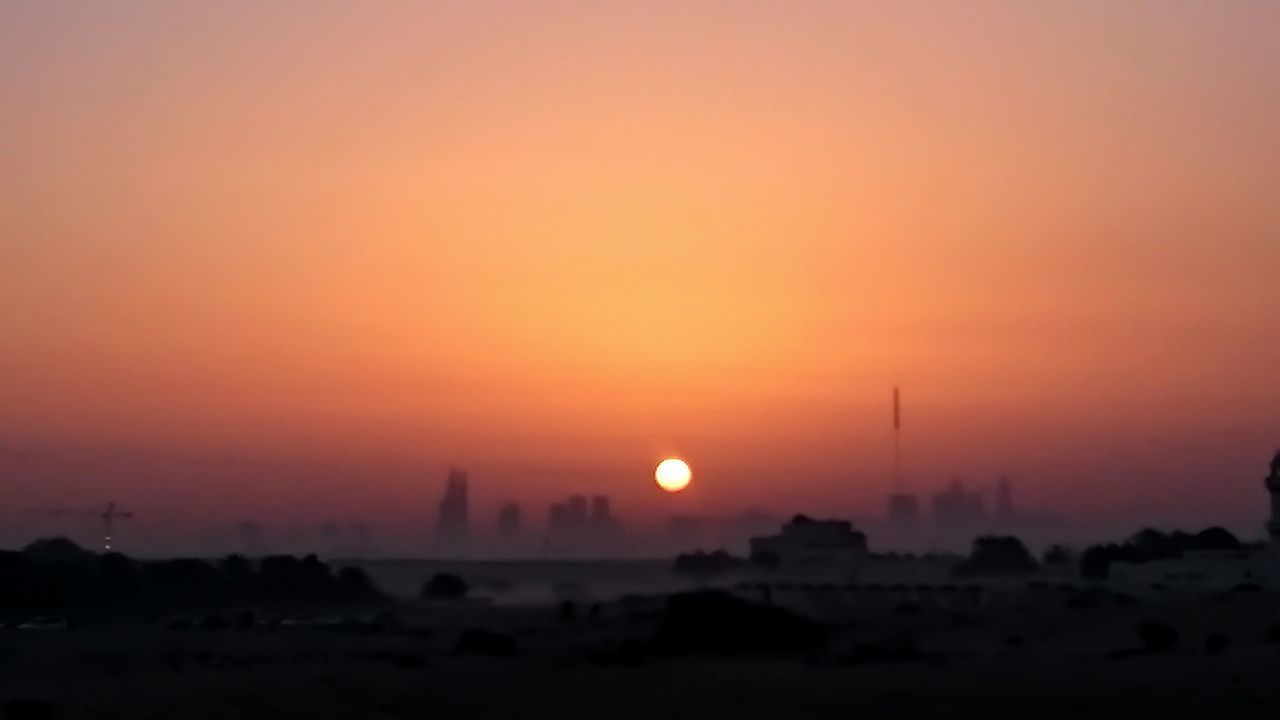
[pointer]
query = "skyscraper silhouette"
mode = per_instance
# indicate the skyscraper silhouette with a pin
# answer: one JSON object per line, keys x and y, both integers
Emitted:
{"x": 452, "y": 526}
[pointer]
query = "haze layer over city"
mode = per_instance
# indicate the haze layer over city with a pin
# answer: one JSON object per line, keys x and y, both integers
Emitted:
{"x": 286, "y": 265}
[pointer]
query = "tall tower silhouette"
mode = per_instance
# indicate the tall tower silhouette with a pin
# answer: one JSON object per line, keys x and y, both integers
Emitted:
{"x": 452, "y": 525}
{"x": 904, "y": 508}
{"x": 897, "y": 441}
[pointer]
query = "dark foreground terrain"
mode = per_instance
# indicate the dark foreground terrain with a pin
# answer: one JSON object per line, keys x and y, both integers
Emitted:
{"x": 1046, "y": 652}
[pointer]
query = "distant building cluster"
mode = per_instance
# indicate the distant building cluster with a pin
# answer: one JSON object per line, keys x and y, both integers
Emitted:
{"x": 576, "y": 529}
{"x": 956, "y": 514}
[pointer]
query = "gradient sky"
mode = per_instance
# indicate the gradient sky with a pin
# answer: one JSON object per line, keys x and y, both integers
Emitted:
{"x": 289, "y": 260}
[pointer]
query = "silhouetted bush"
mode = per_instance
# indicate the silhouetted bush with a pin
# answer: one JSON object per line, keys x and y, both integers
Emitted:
{"x": 56, "y": 574}
{"x": 444, "y": 586}
{"x": 765, "y": 559}
{"x": 1216, "y": 643}
{"x": 484, "y": 642}
{"x": 355, "y": 582}
{"x": 1150, "y": 544}
{"x": 998, "y": 555}
{"x": 717, "y": 622}
{"x": 706, "y": 565}
{"x": 1057, "y": 556}
{"x": 1157, "y": 637}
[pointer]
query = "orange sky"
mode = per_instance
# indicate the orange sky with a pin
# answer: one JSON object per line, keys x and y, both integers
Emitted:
{"x": 552, "y": 241}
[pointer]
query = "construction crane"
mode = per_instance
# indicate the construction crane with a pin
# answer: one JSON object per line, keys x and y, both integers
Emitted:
{"x": 108, "y": 517}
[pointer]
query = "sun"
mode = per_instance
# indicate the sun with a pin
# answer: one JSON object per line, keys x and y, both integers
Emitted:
{"x": 673, "y": 475}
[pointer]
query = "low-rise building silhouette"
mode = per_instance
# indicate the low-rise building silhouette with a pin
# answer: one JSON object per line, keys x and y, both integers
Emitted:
{"x": 808, "y": 547}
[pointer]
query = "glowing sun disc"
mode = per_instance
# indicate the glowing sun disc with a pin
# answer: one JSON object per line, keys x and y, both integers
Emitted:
{"x": 673, "y": 475}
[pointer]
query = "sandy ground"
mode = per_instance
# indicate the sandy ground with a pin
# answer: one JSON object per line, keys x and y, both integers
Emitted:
{"x": 1027, "y": 654}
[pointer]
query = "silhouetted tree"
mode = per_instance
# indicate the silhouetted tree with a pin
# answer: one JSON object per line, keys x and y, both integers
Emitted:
{"x": 444, "y": 586}
{"x": 706, "y": 565}
{"x": 354, "y": 582}
{"x": 1150, "y": 544}
{"x": 1057, "y": 556}
{"x": 998, "y": 555}
{"x": 766, "y": 560}
{"x": 57, "y": 549}
{"x": 118, "y": 581}
{"x": 56, "y": 574}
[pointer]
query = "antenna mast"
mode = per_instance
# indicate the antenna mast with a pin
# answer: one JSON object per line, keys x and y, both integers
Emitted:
{"x": 897, "y": 441}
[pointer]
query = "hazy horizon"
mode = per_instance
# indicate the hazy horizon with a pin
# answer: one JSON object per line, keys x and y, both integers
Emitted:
{"x": 289, "y": 262}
